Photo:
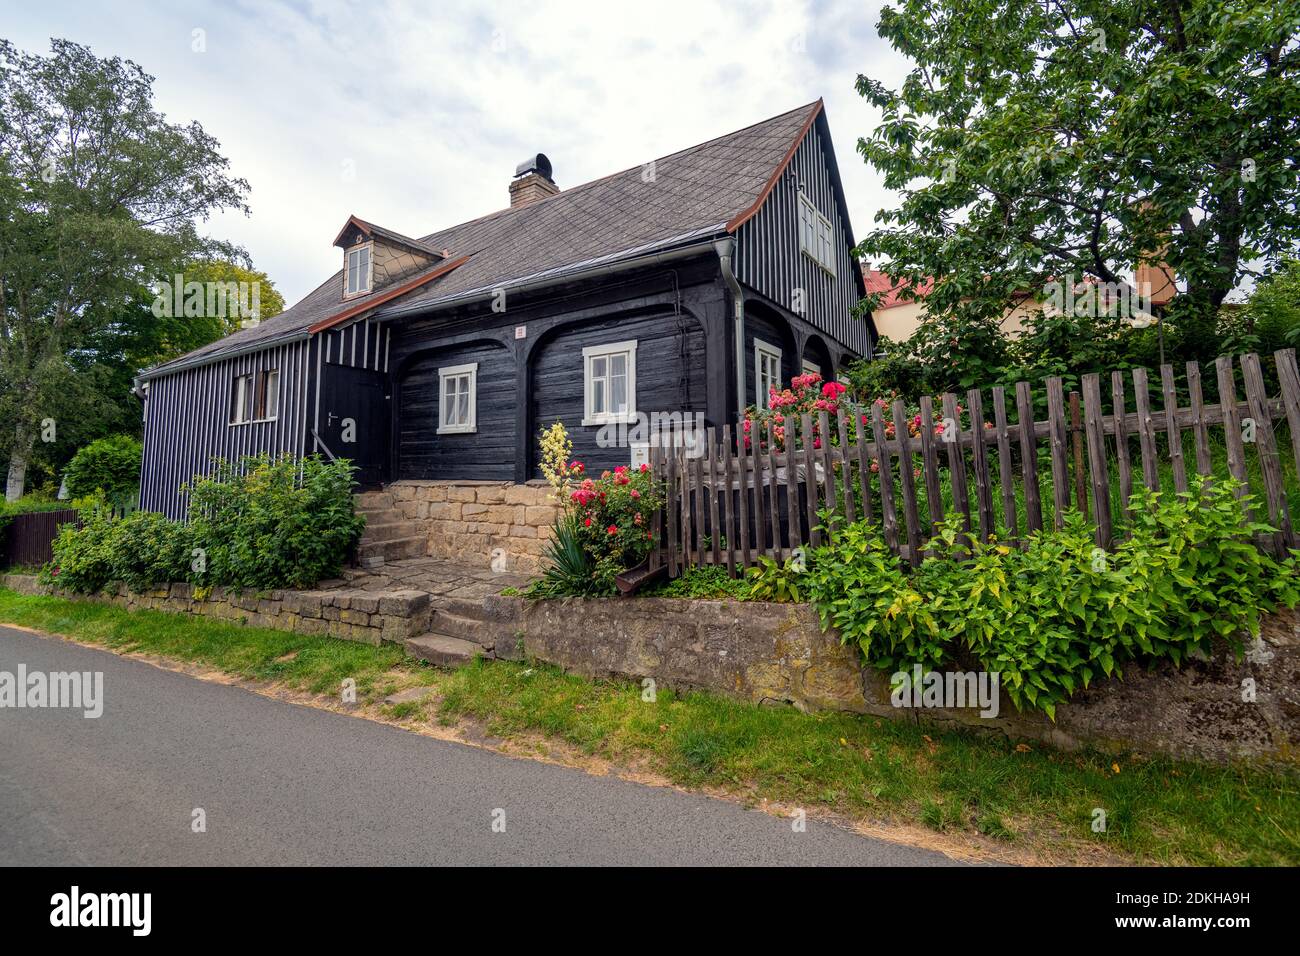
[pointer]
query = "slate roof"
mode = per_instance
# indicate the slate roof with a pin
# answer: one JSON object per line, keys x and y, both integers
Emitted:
{"x": 687, "y": 195}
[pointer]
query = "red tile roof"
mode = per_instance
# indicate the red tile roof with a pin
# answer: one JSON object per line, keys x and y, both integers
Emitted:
{"x": 877, "y": 281}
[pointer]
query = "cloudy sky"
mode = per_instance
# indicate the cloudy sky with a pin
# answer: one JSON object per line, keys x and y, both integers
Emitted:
{"x": 414, "y": 114}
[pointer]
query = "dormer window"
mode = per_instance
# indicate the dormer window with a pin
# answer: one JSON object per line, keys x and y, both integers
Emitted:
{"x": 357, "y": 274}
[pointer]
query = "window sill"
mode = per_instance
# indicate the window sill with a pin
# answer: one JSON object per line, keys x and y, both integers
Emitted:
{"x": 818, "y": 263}
{"x": 253, "y": 421}
{"x": 628, "y": 419}
{"x": 458, "y": 430}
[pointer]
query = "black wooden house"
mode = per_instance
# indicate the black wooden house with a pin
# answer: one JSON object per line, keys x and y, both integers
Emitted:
{"x": 683, "y": 286}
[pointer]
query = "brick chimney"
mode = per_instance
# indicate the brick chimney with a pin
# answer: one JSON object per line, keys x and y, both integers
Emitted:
{"x": 532, "y": 181}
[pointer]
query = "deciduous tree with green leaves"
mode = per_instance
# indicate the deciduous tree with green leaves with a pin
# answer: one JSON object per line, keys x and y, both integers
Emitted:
{"x": 1039, "y": 140}
{"x": 99, "y": 197}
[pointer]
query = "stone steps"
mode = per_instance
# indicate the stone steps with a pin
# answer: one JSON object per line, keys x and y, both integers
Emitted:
{"x": 387, "y": 529}
{"x": 443, "y": 650}
{"x": 392, "y": 549}
{"x": 374, "y": 501}
{"x": 463, "y": 626}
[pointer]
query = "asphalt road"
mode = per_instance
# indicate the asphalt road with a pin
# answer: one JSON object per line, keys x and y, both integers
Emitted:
{"x": 285, "y": 784}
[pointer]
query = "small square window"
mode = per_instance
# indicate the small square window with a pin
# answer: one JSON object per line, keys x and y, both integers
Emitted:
{"x": 458, "y": 399}
{"x": 609, "y": 383}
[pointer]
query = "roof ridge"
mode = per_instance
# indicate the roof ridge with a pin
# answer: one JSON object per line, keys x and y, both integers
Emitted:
{"x": 593, "y": 182}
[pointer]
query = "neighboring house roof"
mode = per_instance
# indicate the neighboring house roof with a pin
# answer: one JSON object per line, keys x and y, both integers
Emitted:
{"x": 877, "y": 281}
{"x": 685, "y": 196}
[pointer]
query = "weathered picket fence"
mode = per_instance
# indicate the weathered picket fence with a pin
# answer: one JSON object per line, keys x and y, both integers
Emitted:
{"x": 732, "y": 502}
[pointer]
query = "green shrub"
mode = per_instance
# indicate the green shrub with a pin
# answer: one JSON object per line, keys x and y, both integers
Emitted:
{"x": 110, "y": 465}
{"x": 147, "y": 549}
{"x": 703, "y": 582}
{"x": 1060, "y": 613}
{"x": 570, "y": 571}
{"x": 83, "y": 556}
{"x": 266, "y": 523}
{"x": 769, "y": 581}
{"x": 258, "y": 524}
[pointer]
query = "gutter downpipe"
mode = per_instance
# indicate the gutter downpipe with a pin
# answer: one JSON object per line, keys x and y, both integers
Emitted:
{"x": 726, "y": 249}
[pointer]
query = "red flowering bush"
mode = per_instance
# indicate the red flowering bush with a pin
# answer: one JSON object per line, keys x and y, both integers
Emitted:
{"x": 612, "y": 515}
{"x": 808, "y": 393}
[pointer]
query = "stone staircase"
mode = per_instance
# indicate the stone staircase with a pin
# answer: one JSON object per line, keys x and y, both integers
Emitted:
{"x": 459, "y": 631}
{"x": 388, "y": 534}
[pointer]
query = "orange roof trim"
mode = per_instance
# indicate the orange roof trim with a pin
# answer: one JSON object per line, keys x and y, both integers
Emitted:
{"x": 752, "y": 211}
{"x": 383, "y": 297}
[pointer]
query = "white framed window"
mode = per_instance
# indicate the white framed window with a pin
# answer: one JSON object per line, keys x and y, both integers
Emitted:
{"x": 458, "y": 399}
{"x": 266, "y": 404}
{"x": 609, "y": 379}
{"x": 767, "y": 371}
{"x": 241, "y": 400}
{"x": 816, "y": 236}
{"x": 358, "y": 270}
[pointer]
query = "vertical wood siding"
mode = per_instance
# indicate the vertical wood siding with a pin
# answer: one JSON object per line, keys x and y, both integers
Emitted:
{"x": 669, "y": 353}
{"x": 363, "y": 344}
{"x": 760, "y": 327}
{"x": 489, "y": 452}
{"x": 187, "y": 421}
{"x": 769, "y": 259}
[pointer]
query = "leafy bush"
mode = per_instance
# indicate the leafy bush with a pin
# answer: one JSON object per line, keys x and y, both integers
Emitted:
{"x": 569, "y": 570}
{"x": 83, "y": 556}
{"x": 260, "y": 524}
{"x": 606, "y": 520}
{"x": 1061, "y": 613}
{"x": 807, "y": 394}
{"x": 613, "y": 515}
{"x": 147, "y": 549}
{"x": 110, "y": 465}
{"x": 769, "y": 581}
{"x": 703, "y": 582}
{"x": 268, "y": 523}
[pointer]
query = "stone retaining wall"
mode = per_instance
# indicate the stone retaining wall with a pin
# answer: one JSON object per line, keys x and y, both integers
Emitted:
{"x": 367, "y": 616}
{"x": 468, "y": 520}
{"x": 778, "y": 654}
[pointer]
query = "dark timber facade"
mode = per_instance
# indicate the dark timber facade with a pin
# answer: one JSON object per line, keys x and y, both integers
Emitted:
{"x": 442, "y": 358}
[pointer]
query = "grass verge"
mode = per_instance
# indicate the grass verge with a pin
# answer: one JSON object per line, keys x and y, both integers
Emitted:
{"x": 1000, "y": 797}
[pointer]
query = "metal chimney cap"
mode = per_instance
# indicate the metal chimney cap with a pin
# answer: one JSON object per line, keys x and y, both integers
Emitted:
{"x": 534, "y": 164}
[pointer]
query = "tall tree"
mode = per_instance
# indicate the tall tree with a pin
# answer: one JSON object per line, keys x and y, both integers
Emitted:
{"x": 1037, "y": 140}
{"x": 100, "y": 196}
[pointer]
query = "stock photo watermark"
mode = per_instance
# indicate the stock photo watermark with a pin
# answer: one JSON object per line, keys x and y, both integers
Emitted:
{"x": 56, "y": 690}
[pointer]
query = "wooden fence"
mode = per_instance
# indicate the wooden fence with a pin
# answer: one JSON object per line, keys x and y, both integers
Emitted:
{"x": 28, "y": 538}
{"x": 731, "y": 502}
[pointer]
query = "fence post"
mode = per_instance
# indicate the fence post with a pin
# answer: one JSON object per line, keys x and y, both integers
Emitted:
{"x": 956, "y": 459}
{"x": 979, "y": 450}
{"x": 1097, "y": 465}
{"x": 1056, "y": 434}
{"x": 1232, "y": 426}
{"x": 1076, "y": 442}
{"x": 1274, "y": 491}
{"x": 1029, "y": 457}
{"x": 1004, "y": 462}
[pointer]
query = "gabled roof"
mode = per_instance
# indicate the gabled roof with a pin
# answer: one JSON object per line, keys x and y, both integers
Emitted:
{"x": 370, "y": 229}
{"x": 702, "y": 191}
